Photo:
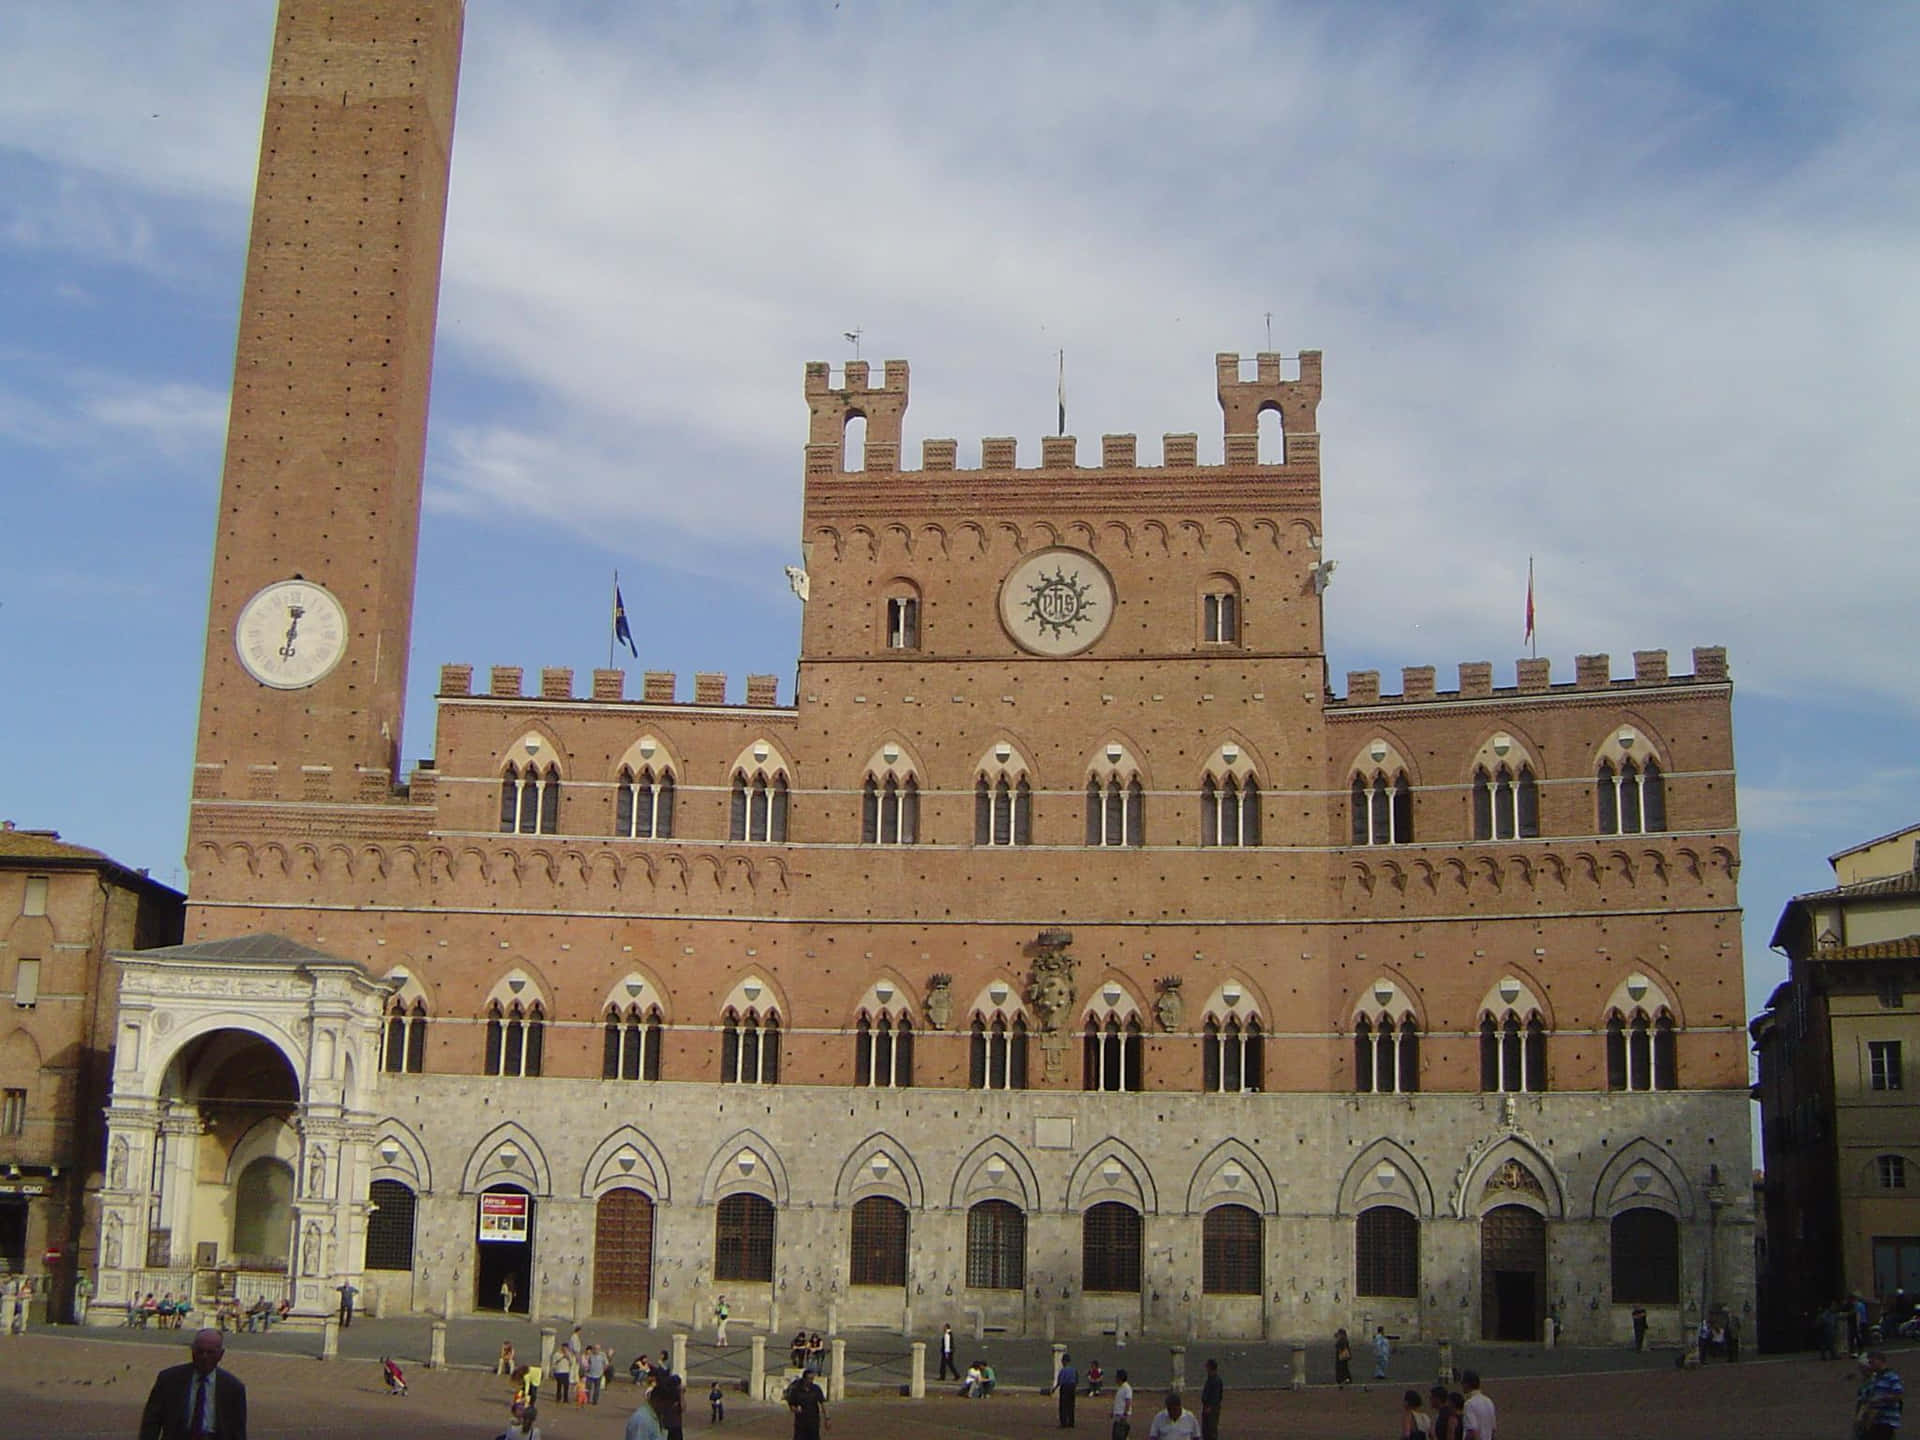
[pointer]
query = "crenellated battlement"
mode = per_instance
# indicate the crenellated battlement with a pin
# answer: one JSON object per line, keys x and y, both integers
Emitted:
{"x": 1288, "y": 385}
{"x": 1533, "y": 676}
{"x": 658, "y": 687}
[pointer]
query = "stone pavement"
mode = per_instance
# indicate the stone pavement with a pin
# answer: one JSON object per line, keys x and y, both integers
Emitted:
{"x": 63, "y": 1386}
{"x": 878, "y": 1360}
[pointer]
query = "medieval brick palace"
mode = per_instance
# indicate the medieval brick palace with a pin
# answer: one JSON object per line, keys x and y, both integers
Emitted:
{"x": 1064, "y": 950}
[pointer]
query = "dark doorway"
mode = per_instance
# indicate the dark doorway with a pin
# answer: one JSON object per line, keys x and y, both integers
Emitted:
{"x": 623, "y": 1254}
{"x": 13, "y": 1237}
{"x": 503, "y": 1264}
{"x": 1513, "y": 1273}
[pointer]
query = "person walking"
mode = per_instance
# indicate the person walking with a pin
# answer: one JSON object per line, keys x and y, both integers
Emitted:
{"x": 198, "y": 1398}
{"x": 1176, "y": 1422}
{"x": 808, "y": 1402}
{"x": 1446, "y": 1420}
{"x": 720, "y": 1314}
{"x": 644, "y": 1422}
{"x": 1213, "y": 1394}
{"x": 562, "y": 1372}
{"x": 1382, "y": 1351}
{"x": 1342, "y": 1358}
{"x": 1122, "y": 1405}
{"x": 947, "y": 1367}
{"x": 1066, "y": 1385}
{"x": 348, "y": 1290}
{"x": 1478, "y": 1420}
{"x": 1639, "y": 1327}
{"x": 1881, "y": 1397}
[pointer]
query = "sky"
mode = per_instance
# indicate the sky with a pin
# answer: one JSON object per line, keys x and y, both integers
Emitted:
{"x": 1631, "y": 290}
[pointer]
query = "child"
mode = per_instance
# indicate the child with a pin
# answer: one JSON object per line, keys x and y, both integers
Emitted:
{"x": 1094, "y": 1376}
{"x": 396, "y": 1380}
{"x": 716, "y": 1402}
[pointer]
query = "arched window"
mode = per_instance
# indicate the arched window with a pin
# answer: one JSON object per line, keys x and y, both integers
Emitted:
{"x": 516, "y": 1038}
{"x": 890, "y": 811}
{"x": 1890, "y": 1171}
{"x": 1002, "y": 811}
{"x": 1110, "y": 1249}
{"x": 1646, "y": 1258}
{"x": 879, "y": 1255}
{"x": 631, "y": 1049}
{"x": 743, "y": 1238}
{"x": 883, "y": 1051}
{"x": 1111, "y": 1056}
{"x": 996, "y": 1246}
{"x": 758, "y": 809}
{"x": 390, "y": 1226}
{"x": 263, "y": 1213}
{"x": 997, "y": 1058}
{"x": 1230, "y": 810}
{"x": 1116, "y": 801}
{"x": 750, "y": 1047}
{"x": 1506, "y": 803}
{"x": 903, "y": 617}
{"x": 405, "y": 1049}
{"x": 1386, "y": 1054}
{"x": 1233, "y": 1054}
{"x": 1513, "y": 1052}
{"x": 643, "y": 804}
{"x": 1386, "y": 1251}
{"x": 1220, "y": 612}
{"x": 1230, "y": 1251}
{"x": 530, "y": 799}
{"x": 1633, "y": 797}
{"x": 1382, "y": 808}
{"x": 1640, "y": 1051}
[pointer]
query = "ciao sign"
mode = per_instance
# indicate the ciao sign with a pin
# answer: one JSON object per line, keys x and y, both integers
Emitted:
{"x": 504, "y": 1217}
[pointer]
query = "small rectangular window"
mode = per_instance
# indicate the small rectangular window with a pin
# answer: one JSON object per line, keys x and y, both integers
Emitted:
{"x": 26, "y": 983}
{"x": 1893, "y": 1172}
{"x": 36, "y": 901}
{"x": 1891, "y": 996}
{"x": 13, "y": 1112}
{"x": 1883, "y": 1064}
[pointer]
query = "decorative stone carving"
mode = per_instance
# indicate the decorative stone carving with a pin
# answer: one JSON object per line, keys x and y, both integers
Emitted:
{"x": 1169, "y": 1007}
{"x": 939, "y": 1002}
{"x": 310, "y": 1249}
{"x": 110, "y": 1246}
{"x": 317, "y": 1173}
{"x": 117, "y": 1166}
{"x": 1515, "y": 1177}
{"x": 1050, "y": 988}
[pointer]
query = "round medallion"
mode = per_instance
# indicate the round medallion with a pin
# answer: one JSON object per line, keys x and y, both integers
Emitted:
{"x": 1057, "y": 602}
{"x": 291, "y": 634}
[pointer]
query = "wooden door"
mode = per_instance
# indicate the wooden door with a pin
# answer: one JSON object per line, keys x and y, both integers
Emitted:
{"x": 623, "y": 1254}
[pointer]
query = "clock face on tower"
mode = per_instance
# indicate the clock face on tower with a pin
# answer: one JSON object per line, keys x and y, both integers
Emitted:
{"x": 1056, "y": 602}
{"x": 291, "y": 634}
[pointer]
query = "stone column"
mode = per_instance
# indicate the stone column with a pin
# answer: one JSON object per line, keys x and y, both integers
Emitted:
{"x": 917, "y": 1371}
{"x": 1299, "y": 1381}
{"x": 437, "y": 1346}
{"x": 546, "y": 1348}
{"x": 679, "y": 1361}
{"x": 1177, "y": 1364}
{"x": 837, "y": 1385}
{"x": 330, "y": 1338}
{"x": 1445, "y": 1377}
{"x": 757, "y": 1375}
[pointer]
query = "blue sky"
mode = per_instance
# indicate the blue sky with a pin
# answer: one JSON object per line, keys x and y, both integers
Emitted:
{"x": 1632, "y": 289}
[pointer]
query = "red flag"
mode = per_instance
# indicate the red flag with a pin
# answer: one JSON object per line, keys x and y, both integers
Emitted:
{"x": 1529, "y": 634}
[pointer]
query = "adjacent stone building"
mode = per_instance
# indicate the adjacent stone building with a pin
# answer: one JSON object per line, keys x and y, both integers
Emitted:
{"x": 63, "y": 910}
{"x": 1063, "y": 951}
{"x": 1839, "y": 1126}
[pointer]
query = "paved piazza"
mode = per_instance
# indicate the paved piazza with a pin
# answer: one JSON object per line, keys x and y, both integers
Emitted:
{"x": 59, "y": 1386}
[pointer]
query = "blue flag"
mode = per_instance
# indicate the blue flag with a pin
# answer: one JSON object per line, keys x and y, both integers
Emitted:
{"x": 621, "y": 631}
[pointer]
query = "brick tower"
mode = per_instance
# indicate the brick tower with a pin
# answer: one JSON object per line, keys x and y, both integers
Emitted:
{"x": 312, "y": 595}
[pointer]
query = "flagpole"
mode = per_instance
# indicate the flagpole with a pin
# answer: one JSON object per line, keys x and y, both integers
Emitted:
{"x": 1533, "y": 634}
{"x": 1062, "y": 392}
{"x": 613, "y": 620}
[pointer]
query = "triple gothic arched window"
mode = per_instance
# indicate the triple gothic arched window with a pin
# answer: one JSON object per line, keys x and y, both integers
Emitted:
{"x": 516, "y": 1038}
{"x": 1641, "y": 1053}
{"x": 758, "y": 808}
{"x": 643, "y": 805}
{"x": 632, "y": 1043}
{"x": 530, "y": 799}
{"x": 1382, "y": 809}
{"x": 405, "y": 1049}
{"x": 1632, "y": 797}
{"x": 997, "y": 1055}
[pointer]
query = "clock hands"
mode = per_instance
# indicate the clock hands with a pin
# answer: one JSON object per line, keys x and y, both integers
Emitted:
{"x": 294, "y": 612}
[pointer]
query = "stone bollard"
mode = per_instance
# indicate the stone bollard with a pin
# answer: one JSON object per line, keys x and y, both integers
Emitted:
{"x": 837, "y": 1386}
{"x": 1299, "y": 1381}
{"x": 1058, "y": 1351}
{"x": 833, "y": 1317}
{"x": 437, "y": 1346}
{"x": 757, "y": 1376}
{"x": 330, "y": 1338}
{"x": 1552, "y": 1330}
{"x": 446, "y": 1309}
{"x": 1445, "y": 1377}
{"x": 773, "y": 1316}
{"x": 917, "y": 1371}
{"x": 679, "y": 1361}
{"x": 546, "y": 1349}
{"x": 653, "y": 1312}
{"x": 1177, "y": 1363}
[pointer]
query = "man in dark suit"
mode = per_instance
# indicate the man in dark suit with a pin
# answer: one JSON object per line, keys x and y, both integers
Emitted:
{"x": 198, "y": 1400}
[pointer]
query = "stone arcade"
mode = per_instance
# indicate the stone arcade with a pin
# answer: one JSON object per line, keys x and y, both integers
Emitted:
{"x": 1065, "y": 951}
